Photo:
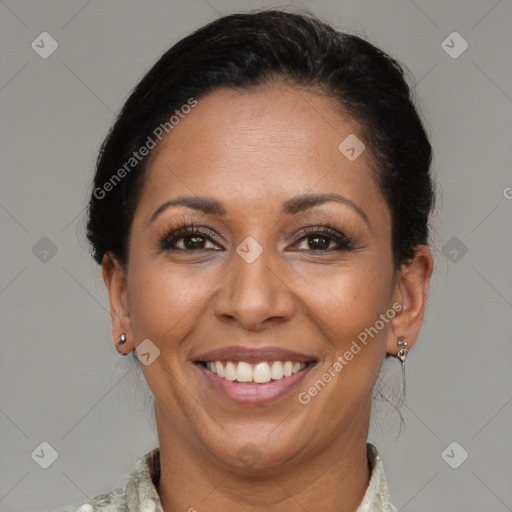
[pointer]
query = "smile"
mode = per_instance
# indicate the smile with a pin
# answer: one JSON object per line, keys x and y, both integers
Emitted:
{"x": 259, "y": 373}
{"x": 260, "y": 383}
{"x": 253, "y": 375}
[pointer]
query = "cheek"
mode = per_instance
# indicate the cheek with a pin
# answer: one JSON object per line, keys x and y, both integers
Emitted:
{"x": 347, "y": 302}
{"x": 165, "y": 301}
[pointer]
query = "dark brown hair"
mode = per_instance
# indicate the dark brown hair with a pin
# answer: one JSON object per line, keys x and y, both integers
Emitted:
{"x": 246, "y": 50}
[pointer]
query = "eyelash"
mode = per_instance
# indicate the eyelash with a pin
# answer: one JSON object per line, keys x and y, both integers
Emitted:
{"x": 168, "y": 239}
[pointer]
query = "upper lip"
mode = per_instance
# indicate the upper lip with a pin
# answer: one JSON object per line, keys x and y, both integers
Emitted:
{"x": 254, "y": 355}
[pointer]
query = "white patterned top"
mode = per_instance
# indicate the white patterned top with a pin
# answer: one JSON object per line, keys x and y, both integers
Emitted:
{"x": 140, "y": 495}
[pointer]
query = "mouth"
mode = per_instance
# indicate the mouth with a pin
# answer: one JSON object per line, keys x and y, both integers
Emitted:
{"x": 259, "y": 373}
{"x": 254, "y": 376}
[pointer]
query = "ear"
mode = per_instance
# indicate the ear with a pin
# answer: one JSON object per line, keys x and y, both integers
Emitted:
{"x": 411, "y": 291}
{"x": 114, "y": 276}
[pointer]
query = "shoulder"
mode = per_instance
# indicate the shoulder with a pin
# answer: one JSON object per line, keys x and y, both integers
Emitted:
{"x": 112, "y": 501}
{"x": 139, "y": 493}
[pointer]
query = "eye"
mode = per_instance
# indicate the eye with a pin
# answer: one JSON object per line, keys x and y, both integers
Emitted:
{"x": 188, "y": 238}
{"x": 321, "y": 238}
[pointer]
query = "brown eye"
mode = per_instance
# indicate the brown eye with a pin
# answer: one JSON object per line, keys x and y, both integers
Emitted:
{"x": 189, "y": 239}
{"x": 320, "y": 239}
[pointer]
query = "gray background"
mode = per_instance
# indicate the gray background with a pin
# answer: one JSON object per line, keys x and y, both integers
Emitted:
{"x": 61, "y": 380}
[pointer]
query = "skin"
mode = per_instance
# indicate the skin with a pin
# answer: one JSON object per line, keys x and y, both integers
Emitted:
{"x": 252, "y": 151}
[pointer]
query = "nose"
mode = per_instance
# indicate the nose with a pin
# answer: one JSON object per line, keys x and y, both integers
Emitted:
{"x": 254, "y": 295}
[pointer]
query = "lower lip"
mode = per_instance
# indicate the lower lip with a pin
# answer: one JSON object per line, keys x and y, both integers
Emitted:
{"x": 251, "y": 393}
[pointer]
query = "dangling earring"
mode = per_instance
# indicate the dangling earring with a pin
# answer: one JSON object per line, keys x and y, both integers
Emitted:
{"x": 120, "y": 341}
{"x": 402, "y": 355}
{"x": 402, "y": 349}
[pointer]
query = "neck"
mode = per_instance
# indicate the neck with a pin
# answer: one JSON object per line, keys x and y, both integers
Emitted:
{"x": 334, "y": 478}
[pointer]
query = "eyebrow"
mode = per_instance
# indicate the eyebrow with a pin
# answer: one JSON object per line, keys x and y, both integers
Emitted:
{"x": 292, "y": 206}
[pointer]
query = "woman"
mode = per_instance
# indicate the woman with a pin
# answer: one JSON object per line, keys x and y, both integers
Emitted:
{"x": 260, "y": 211}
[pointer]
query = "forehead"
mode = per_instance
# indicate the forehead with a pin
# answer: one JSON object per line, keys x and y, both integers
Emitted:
{"x": 254, "y": 147}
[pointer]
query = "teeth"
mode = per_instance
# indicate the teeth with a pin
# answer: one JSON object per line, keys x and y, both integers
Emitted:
{"x": 260, "y": 373}
{"x": 243, "y": 372}
{"x": 288, "y": 368}
{"x": 229, "y": 371}
{"x": 219, "y": 369}
{"x": 276, "y": 372}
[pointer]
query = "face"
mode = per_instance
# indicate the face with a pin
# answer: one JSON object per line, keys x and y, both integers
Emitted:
{"x": 287, "y": 265}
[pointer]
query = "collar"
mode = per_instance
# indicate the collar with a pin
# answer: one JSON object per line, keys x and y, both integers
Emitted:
{"x": 376, "y": 497}
{"x": 141, "y": 494}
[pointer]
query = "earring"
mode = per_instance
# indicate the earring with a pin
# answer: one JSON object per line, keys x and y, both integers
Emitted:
{"x": 402, "y": 355}
{"x": 120, "y": 341}
{"x": 402, "y": 349}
